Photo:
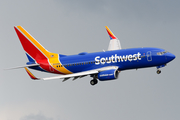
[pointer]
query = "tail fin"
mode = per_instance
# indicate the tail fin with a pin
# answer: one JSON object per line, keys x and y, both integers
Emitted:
{"x": 34, "y": 50}
{"x": 38, "y": 55}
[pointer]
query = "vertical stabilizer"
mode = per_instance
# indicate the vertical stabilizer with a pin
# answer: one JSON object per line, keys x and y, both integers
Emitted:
{"x": 37, "y": 54}
{"x": 34, "y": 50}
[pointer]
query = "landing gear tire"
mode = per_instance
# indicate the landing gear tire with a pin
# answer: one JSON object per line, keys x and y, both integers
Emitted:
{"x": 93, "y": 82}
{"x": 158, "y": 71}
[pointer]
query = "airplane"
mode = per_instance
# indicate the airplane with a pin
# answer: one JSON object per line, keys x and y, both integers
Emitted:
{"x": 101, "y": 66}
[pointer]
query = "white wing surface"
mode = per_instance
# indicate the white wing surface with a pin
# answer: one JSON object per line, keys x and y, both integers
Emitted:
{"x": 74, "y": 75}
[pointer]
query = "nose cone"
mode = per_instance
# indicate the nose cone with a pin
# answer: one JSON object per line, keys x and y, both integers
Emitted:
{"x": 170, "y": 57}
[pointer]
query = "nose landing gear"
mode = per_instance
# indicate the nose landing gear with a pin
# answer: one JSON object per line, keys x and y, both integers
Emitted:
{"x": 158, "y": 71}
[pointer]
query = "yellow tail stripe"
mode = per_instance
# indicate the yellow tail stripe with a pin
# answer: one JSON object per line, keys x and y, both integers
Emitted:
{"x": 37, "y": 44}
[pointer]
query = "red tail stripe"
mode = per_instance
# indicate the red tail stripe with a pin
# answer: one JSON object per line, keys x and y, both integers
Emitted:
{"x": 29, "y": 47}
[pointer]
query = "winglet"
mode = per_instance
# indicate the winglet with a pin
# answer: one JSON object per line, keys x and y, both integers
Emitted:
{"x": 114, "y": 43}
{"x": 31, "y": 75}
{"x": 111, "y": 35}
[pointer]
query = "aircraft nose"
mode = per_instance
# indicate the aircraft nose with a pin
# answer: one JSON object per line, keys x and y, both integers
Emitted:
{"x": 170, "y": 56}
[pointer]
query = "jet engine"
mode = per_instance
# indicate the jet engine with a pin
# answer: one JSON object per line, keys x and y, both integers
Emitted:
{"x": 108, "y": 75}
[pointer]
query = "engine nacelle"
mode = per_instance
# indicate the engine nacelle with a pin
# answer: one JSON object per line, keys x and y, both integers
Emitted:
{"x": 108, "y": 75}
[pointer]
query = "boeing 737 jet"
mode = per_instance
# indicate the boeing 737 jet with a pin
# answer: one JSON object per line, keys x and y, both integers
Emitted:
{"x": 103, "y": 66}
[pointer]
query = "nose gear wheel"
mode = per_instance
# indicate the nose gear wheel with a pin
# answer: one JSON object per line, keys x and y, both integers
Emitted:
{"x": 158, "y": 71}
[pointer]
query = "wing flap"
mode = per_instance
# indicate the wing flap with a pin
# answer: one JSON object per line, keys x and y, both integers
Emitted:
{"x": 65, "y": 79}
{"x": 75, "y": 78}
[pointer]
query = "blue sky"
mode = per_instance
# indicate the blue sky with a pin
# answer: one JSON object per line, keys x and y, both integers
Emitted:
{"x": 71, "y": 27}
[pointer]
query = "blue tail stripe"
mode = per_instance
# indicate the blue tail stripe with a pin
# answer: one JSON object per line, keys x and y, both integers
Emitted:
{"x": 30, "y": 58}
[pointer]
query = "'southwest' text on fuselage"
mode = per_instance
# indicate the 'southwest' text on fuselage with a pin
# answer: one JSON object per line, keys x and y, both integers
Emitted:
{"x": 115, "y": 58}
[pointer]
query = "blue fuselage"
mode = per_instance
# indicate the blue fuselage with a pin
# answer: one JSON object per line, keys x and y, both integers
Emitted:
{"x": 125, "y": 59}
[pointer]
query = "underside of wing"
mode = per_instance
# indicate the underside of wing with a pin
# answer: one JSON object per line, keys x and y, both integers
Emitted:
{"x": 74, "y": 75}
{"x": 80, "y": 74}
{"x": 114, "y": 43}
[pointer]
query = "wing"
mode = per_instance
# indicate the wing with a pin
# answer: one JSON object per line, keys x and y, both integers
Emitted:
{"x": 74, "y": 75}
{"x": 114, "y": 43}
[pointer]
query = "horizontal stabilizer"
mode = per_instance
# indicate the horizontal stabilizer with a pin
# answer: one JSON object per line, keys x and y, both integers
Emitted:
{"x": 32, "y": 65}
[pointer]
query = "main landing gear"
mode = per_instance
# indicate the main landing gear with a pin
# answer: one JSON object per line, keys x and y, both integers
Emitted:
{"x": 94, "y": 82}
{"x": 158, "y": 71}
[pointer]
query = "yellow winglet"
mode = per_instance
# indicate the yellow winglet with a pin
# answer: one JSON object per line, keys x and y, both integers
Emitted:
{"x": 31, "y": 75}
{"x": 111, "y": 35}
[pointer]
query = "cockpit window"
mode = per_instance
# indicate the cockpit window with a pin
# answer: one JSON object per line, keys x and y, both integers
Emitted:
{"x": 161, "y": 53}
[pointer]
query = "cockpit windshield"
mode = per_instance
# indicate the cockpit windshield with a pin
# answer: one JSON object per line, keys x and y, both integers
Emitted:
{"x": 161, "y": 53}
